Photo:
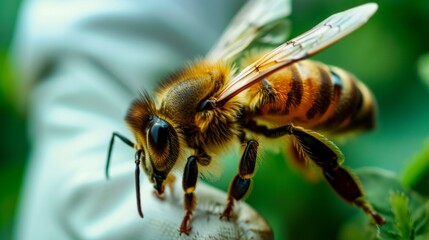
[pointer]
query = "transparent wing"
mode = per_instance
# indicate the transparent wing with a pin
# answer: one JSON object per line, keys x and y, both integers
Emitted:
{"x": 259, "y": 20}
{"x": 311, "y": 42}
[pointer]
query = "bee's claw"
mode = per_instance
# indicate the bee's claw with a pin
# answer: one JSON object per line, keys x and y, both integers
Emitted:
{"x": 225, "y": 217}
{"x": 227, "y": 214}
{"x": 184, "y": 227}
{"x": 186, "y": 231}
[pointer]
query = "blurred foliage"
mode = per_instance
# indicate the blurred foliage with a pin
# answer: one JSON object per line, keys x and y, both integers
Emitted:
{"x": 404, "y": 206}
{"x": 13, "y": 144}
{"x": 416, "y": 175}
{"x": 423, "y": 67}
{"x": 388, "y": 55}
{"x": 404, "y": 225}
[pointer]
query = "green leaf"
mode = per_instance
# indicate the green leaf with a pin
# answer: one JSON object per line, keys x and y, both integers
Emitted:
{"x": 423, "y": 68}
{"x": 416, "y": 175}
{"x": 404, "y": 210}
{"x": 402, "y": 222}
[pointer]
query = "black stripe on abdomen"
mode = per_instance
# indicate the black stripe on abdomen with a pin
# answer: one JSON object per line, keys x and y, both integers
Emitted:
{"x": 323, "y": 100}
{"x": 294, "y": 96}
{"x": 348, "y": 101}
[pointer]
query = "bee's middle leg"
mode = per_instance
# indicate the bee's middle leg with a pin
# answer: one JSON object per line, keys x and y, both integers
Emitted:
{"x": 243, "y": 180}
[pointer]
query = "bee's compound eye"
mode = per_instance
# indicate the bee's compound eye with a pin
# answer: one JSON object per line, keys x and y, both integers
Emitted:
{"x": 159, "y": 133}
{"x": 162, "y": 146}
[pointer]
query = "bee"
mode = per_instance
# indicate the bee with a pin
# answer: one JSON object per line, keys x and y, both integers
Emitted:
{"x": 214, "y": 102}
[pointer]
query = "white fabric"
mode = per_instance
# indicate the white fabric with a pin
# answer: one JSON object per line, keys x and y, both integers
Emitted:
{"x": 80, "y": 63}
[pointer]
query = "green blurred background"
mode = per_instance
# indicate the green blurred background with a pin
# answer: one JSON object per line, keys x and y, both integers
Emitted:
{"x": 14, "y": 147}
{"x": 385, "y": 54}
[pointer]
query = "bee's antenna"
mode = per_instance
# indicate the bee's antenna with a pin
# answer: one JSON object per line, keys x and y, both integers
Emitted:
{"x": 109, "y": 153}
{"x": 137, "y": 178}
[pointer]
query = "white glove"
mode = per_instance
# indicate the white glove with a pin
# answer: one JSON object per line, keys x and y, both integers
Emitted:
{"x": 85, "y": 62}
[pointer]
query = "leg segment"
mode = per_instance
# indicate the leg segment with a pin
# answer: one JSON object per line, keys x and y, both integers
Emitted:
{"x": 242, "y": 181}
{"x": 300, "y": 162}
{"x": 328, "y": 157}
{"x": 139, "y": 155}
{"x": 190, "y": 177}
{"x": 268, "y": 132}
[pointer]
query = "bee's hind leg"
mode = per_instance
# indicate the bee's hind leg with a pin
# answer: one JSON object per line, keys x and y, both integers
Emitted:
{"x": 328, "y": 157}
{"x": 241, "y": 183}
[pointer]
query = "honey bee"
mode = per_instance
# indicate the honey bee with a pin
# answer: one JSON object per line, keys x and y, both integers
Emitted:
{"x": 211, "y": 103}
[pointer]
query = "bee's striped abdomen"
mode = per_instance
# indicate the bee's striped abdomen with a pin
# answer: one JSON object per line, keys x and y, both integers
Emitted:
{"x": 323, "y": 95}
{"x": 354, "y": 104}
{"x": 313, "y": 95}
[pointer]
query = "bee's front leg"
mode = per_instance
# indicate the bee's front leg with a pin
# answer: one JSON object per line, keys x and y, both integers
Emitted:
{"x": 243, "y": 180}
{"x": 190, "y": 176}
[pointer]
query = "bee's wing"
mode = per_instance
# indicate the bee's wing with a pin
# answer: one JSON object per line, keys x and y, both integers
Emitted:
{"x": 311, "y": 42}
{"x": 259, "y": 21}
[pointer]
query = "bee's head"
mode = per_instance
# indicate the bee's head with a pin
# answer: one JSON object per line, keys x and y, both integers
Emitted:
{"x": 158, "y": 144}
